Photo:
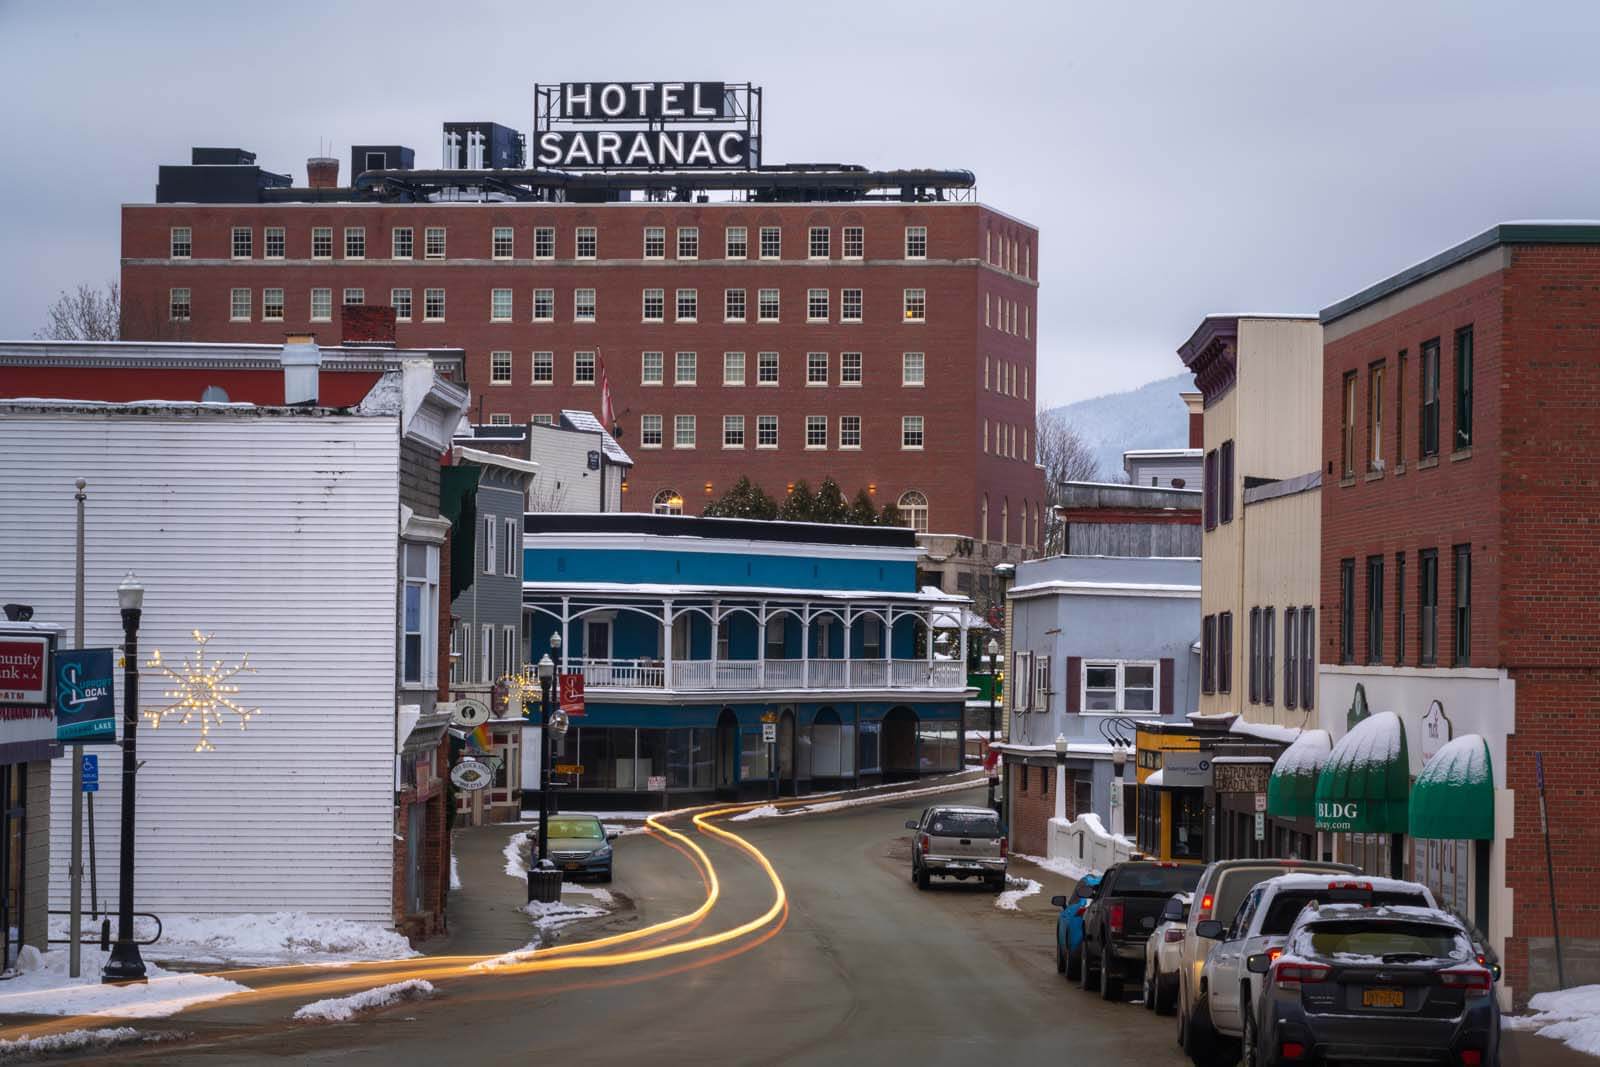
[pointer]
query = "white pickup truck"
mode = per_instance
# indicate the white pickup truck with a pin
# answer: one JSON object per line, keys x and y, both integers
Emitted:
{"x": 958, "y": 842}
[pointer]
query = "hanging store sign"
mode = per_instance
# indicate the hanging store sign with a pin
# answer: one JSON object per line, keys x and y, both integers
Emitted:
{"x": 1185, "y": 769}
{"x": 471, "y": 775}
{"x": 647, "y": 126}
{"x": 86, "y": 707}
{"x": 571, "y": 691}
{"x": 470, "y": 712}
{"x": 24, "y": 669}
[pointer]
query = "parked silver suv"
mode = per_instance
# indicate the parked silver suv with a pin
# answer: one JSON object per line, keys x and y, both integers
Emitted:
{"x": 958, "y": 842}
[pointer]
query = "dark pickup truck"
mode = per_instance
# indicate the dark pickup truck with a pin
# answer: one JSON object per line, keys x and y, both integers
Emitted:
{"x": 1125, "y": 907}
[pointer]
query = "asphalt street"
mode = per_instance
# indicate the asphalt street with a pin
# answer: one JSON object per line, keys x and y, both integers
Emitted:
{"x": 862, "y": 968}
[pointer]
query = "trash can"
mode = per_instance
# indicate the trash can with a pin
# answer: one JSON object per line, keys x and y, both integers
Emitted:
{"x": 544, "y": 883}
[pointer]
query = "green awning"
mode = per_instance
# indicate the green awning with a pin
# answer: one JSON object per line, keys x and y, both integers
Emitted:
{"x": 458, "y": 502}
{"x": 1292, "y": 789}
{"x": 1366, "y": 785}
{"x": 1454, "y": 795}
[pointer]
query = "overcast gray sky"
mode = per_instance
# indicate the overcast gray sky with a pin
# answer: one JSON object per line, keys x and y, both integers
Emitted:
{"x": 1178, "y": 159}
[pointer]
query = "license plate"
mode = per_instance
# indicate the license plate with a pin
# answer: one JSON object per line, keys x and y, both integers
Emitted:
{"x": 1383, "y": 998}
{"x": 573, "y": 866}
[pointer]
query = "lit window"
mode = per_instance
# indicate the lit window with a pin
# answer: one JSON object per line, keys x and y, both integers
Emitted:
{"x": 816, "y": 431}
{"x": 544, "y": 242}
{"x": 652, "y": 368}
{"x": 321, "y": 305}
{"x": 355, "y": 242}
{"x": 433, "y": 305}
{"x": 586, "y": 242}
{"x": 178, "y": 307}
{"x": 913, "y": 369}
{"x": 849, "y": 431}
{"x": 737, "y": 244}
{"x": 916, "y": 305}
{"x": 655, "y": 242}
{"x": 583, "y": 368}
{"x": 400, "y": 300}
{"x": 433, "y": 242}
{"x": 854, "y": 242}
{"x": 322, "y": 242}
{"x": 733, "y": 368}
{"x": 685, "y": 368}
{"x": 273, "y": 242}
{"x": 916, "y": 242}
{"x": 914, "y": 510}
{"x": 583, "y": 305}
{"x": 688, "y": 305}
{"x": 500, "y": 305}
{"x": 182, "y": 246}
{"x": 243, "y": 239}
{"x": 733, "y": 431}
{"x": 850, "y": 305}
{"x": 771, "y": 242}
{"x": 655, "y": 301}
{"x": 850, "y": 368}
{"x": 500, "y": 368}
{"x": 544, "y": 368}
{"x": 733, "y": 305}
{"x": 667, "y": 502}
{"x": 544, "y": 305}
{"x": 767, "y": 305}
{"x": 688, "y": 242}
{"x": 911, "y": 431}
{"x": 239, "y": 305}
{"x": 766, "y": 431}
{"x": 272, "y": 305}
{"x": 683, "y": 431}
{"x": 400, "y": 242}
{"x": 650, "y": 431}
{"x": 817, "y": 247}
{"x": 503, "y": 242}
{"x": 766, "y": 368}
{"x": 816, "y": 368}
{"x": 816, "y": 305}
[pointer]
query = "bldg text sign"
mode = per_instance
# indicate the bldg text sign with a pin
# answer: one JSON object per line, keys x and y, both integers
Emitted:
{"x": 24, "y": 669}
{"x": 644, "y": 126}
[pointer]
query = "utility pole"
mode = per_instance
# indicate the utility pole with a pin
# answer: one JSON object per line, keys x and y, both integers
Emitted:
{"x": 75, "y": 864}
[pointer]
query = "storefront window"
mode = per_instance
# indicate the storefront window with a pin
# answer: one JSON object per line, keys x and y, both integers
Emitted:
{"x": 652, "y": 758}
{"x": 753, "y": 764}
{"x": 691, "y": 758}
{"x": 869, "y": 747}
{"x": 938, "y": 749}
{"x": 606, "y": 755}
{"x": 1188, "y": 823}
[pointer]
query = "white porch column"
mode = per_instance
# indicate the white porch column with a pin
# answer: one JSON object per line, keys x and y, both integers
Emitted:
{"x": 963, "y": 671}
{"x": 566, "y": 638}
{"x": 927, "y": 624}
{"x": 1061, "y": 787}
{"x": 761, "y": 647}
{"x": 716, "y": 630}
{"x": 666, "y": 643}
{"x": 888, "y": 647}
{"x": 805, "y": 648}
{"x": 849, "y": 632}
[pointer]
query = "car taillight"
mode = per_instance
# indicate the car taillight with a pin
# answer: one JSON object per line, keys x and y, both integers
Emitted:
{"x": 1290, "y": 975}
{"x": 1116, "y": 918}
{"x": 1173, "y": 934}
{"x": 1293, "y": 1050}
{"x": 922, "y": 843}
{"x": 1205, "y": 907}
{"x": 1003, "y": 844}
{"x": 1471, "y": 1057}
{"x": 1473, "y": 981}
{"x": 1273, "y": 954}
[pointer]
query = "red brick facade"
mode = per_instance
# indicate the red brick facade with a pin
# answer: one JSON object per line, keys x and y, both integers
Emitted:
{"x": 1031, "y": 805}
{"x": 1524, "y": 496}
{"x": 979, "y": 274}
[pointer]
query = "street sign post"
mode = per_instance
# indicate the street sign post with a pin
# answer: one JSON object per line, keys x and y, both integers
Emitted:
{"x": 1261, "y": 826}
{"x": 1261, "y": 802}
{"x": 769, "y": 733}
{"x": 91, "y": 774}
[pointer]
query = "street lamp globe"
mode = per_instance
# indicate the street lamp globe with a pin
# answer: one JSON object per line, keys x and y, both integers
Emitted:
{"x": 130, "y": 593}
{"x": 993, "y": 647}
{"x": 547, "y": 668}
{"x": 555, "y": 642}
{"x": 1061, "y": 746}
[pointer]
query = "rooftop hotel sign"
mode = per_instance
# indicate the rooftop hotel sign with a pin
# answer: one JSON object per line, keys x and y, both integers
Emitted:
{"x": 647, "y": 126}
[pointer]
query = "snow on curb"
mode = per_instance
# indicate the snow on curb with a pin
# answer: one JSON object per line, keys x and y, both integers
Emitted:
{"x": 43, "y": 986}
{"x": 341, "y": 1009}
{"x": 769, "y": 811}
{"x": 1064, "y": 867}
{"x": 276, "y": 937}
{"x": 1569, "y": 1015}
{"x": 1011, "y": 899}
{"x": 558, "y": 913}
{"x": 27, "y": 1048}
{"x": 455, "y": 872}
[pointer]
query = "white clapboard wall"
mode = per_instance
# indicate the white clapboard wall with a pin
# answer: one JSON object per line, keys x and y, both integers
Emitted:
{"x": 277, "y": 534}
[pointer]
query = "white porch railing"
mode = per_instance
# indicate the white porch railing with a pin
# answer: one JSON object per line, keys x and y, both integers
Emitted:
{"x": 771, "y": 674}
{"x": 620, "y": 673}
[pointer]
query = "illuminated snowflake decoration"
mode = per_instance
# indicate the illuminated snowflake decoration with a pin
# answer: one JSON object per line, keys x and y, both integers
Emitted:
{"x": 201, "y": 691}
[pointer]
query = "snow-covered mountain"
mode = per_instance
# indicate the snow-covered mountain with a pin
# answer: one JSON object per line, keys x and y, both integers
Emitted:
{"x": 1151, "y": 416}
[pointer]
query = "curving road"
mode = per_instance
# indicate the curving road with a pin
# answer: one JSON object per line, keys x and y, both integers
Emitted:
{"x": 859, "y": 967}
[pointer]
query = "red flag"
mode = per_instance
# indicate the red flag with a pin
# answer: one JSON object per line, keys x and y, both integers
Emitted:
{"x": 608, "y": 415}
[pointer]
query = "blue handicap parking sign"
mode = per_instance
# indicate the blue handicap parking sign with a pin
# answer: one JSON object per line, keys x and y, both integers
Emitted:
{"x": 91, "y": 774}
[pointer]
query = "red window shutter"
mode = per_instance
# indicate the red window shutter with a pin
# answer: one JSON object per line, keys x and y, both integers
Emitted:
{"x": 1074, "y": 683}
{"x": 1167, "y": 669}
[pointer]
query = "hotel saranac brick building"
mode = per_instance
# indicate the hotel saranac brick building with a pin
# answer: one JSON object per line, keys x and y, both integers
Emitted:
{"x": 875, "y": 327}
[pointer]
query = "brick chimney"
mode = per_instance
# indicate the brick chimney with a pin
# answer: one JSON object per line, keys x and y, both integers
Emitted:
{"x": 302, "y": 360}
{"x": 367, "y": 324}
{"x": 322, "y": 172}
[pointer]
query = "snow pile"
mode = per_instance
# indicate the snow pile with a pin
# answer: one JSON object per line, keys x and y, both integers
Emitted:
{"x": 1267, "y": 731}
{"x": 1570, "y": 1015}
{"x": 1064, "y": 867}
{"x": 1464, "y": 761}
{"x": 455, "y": 872}
{"x": 601, "y": 896}
{"x": 765, "y": 811}
{"x": 1011, "y": 899}
{"x": 341, "y": 1009}
{"x": 558, "y": 913}
{"x": 275, "y": 937}
{"x": 1307, "y": 756}
{"x": 43, "y": 987}
{"x": 516, "y": 862}
{"x": 769, "y": 811}
{"x": 1093, "y": 823}
{"x": 27, "y": 1048}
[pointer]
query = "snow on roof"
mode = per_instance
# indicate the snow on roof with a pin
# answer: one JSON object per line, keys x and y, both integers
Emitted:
{"x": 585, "y": 420}
{"x": 654, "y": 590}
{"x": 1463, "y": 761}
{"x": 1074, "y": 748}
{"x": 1144, "y": 452}
{"x": 52, "y": 402}
{"x": 1320, "y": 880}
{"x": 1373, "y": 742}
{"x": 494, "y": 459}
{"x": 1267, "y": 731}
{"x": 1308, "y": 755}
{"x": 1108, "y": 588}
{"x": 1260, "y": 315}
{"x": 1133, "y": 488}
{"x": 1242, "y": 759}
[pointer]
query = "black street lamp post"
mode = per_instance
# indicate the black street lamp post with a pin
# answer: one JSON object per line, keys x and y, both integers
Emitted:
{"x": 551, "y": 721}
{"x": 993, "y": 651}
{"x": 125, "y": 964}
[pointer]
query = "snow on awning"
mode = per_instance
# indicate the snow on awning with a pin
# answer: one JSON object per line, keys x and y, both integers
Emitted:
{"x": 1292, "y": 789}
{"x": 1157, "y": 780}
{"x": 1366, "y": 784}
{"x": 1454, "y": 795}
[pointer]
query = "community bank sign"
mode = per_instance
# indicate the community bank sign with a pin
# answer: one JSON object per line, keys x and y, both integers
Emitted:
{"x": 646, "y": 125}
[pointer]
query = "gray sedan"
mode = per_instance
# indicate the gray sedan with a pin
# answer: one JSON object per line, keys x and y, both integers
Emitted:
{"x": 580, "y": 845}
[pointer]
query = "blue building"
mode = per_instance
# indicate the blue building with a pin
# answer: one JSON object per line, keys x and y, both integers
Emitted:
{"x": 693, "y": 633}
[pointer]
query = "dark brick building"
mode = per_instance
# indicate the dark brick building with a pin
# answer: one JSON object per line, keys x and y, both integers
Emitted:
{"x": 1460, "y": 576}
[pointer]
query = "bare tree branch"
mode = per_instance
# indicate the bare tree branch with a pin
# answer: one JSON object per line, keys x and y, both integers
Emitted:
{"x": 1066, "y": 457}
{"x": 85, "y": 314}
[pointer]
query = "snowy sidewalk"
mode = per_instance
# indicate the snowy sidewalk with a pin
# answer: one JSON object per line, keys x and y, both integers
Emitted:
{"x": 485, "y": 914}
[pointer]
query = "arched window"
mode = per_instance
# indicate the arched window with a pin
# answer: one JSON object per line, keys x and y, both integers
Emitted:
{"x": 914, "y": 510}
{"x": 983, "y": 527}
{"x": 1005, "y": 521}
{"x": 667, "y": 502}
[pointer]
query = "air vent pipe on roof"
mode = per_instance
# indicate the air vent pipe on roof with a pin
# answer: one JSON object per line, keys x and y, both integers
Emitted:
{"x": 302, "y": 363}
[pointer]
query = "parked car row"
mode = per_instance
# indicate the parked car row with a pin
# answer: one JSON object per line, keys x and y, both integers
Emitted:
{"x": 1285, "y": 961}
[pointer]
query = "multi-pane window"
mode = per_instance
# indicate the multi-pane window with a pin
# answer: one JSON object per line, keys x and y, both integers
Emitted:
{"x": 544, "y": 420}
{"x": 503, "y": 242}
{"x": 500, "y": 368}
{"x": 1308, "y": 657}
{"x": 683, "y": 431}
{"x": 433, "y": 242}
{"x": 354, "y": 297}
{"x": 771, "y": 242}
{"x": 916, "y": 242}
{"x": 272, "y": 305}
{"x": 1347, "y": 611}
{"x": 583, "y": 305}
{"x": 850, "y": 368}
{"x": 321, "y": 305}
{"x": 766, "y": 368}
{"x": 767, "y": 305}
{"x": 243, "y": 241}
{"x": 655, "y": 242}
{"x": 849, "y": 431}
{"x": 854, "y": 242}
{"x": 688, "y": 305}
{"x": 1374, "y": 609}
{"x": 1347, "y": 427}
{"x": 1256, "y": 650}
{"x": 1208, "y": 654}
{"x": 652, "y": 368}
{"x": 401, "y": 241}
{"x": 273, "y": 241}
{"x": 1291, "y": 656}
{"x": 544, "y": 305}
{"x": 500, "y": 305}
{"x": 178, "y": 305}
{"x": 816, "y": 368}
{"x": 733, "y": 431}
{"x": 1225, "y": 652}
{"x": 1268, "y": 636}
{"x": 817, "y": 245}
{"x": 1429, "y": 417}
{"x": 655, "y": 305}
{"x": 911, "y": 431}
{"x": 1224, "y": 477}
{"x": 544, "y": 242}
{"x": 650, "y": 431}
{"x": 688, "y": 242}
{"x": 916, "y": 305}
{"x": 1463, "y": 605}
{"x": 736, "y": 243}
{"x": 733, "y": 368}
{"x": 586, "y": 242}
{"x": 816, "y": 431}
{"x": 1209, "y": 489}
{"x": 239, "y": 305}
{"x": 816, "y": 305}
{"x": 322, "y": 242}
{"x": 181, "y": 245}
{"x": 419, "y": 615}
{"x": 1114, "y": 687}
{"x": 355, "y": 242}
{"x": 913, "y": 368}
{"x": 433, "y": 305}
{"x": 850, "y": 305}
{"x": 766, "y": 431}
{"x": 1400, "y": 419}
{"x": 733, "y": 305}
{"x": 544, "y": 368}
{"x": 685, "y": 368}
{"x": 1375, "y": 396}
{"x": 1463, "y": 388}
{"x": 583, "y": 368}
{"x": 1428, "y": 607}
{"x": 1399, "y": 608}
